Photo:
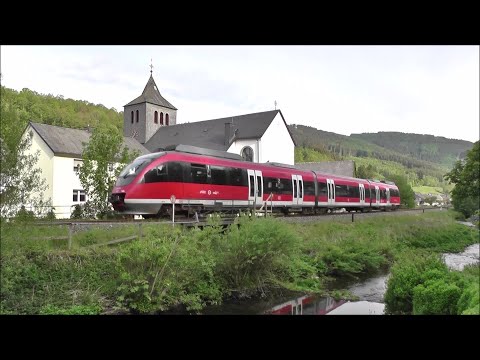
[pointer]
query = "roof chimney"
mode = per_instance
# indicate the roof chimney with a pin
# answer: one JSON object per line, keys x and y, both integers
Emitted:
{"x": 228, "y": 134}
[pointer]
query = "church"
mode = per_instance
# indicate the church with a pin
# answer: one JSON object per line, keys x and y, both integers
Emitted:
{"x": 258, "y": 137}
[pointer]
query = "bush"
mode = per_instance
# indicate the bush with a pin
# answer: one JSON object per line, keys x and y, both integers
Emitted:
{"x": 469, "y": 302}
{"x": 259, "y": 252}
{"x": 407, "y": 273}
{"x": 436, "y": 297}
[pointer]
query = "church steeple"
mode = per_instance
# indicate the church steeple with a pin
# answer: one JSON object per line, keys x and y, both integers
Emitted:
{"x": 146, "y": 114}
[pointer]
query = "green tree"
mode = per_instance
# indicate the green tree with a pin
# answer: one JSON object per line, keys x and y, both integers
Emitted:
{"x": 465, "y": 175}
{"x": 407, "y": 196}
{"x": 20, "y": 179}
{"x": 103, "y": 159}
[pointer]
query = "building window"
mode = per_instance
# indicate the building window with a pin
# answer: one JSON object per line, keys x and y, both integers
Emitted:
{"x": 77, "y": 164}
{"x": 247, "y": 153}
{"x": 166, "y": 119}
{"x": 132, "y": 116}
{"x": 161, "y": 118}
{"x": 155, "y": 117}
{"x": 79, "y": 196}
{"x": 137, "y": 115}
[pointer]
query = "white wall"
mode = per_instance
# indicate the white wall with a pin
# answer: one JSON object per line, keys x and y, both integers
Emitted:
{"x": 276, "y": 144}
{"x": 44, "y": 162}
{"x": 238, "y": 145}
{"x": 65, "y": 180}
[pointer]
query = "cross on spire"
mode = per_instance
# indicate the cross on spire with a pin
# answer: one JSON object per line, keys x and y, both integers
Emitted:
{"x": 151, "y": 67}
{"x": 275, "y": 104}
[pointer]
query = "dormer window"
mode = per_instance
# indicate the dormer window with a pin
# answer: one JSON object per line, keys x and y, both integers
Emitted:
{"x": 77, "y": 164}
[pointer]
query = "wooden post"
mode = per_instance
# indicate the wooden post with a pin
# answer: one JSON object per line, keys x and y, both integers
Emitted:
{"x": 352, "y": 216}
{"x": 70, "y": 230}
{"x": 423, "y": 210}
{"x": 140, "y": 235}
{"x": 173, "y": 214}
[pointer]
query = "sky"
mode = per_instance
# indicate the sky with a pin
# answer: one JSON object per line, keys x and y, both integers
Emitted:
{"x": 342, "y": 89}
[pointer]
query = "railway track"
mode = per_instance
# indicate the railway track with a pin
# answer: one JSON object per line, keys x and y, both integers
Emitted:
{"x": 226, "y": 219}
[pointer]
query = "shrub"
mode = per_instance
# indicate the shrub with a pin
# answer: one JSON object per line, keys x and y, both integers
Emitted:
{"x": 469, "y": 302}
{"x": 407, "y": 273}
{"x": 436, "y": 297}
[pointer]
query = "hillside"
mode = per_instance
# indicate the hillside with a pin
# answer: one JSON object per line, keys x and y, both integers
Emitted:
{"x": 20, "y": 107}
{"x": 423, "y": 147}
{"x": 375, "y": 160}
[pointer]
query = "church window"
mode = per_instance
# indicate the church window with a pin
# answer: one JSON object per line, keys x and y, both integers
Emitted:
{"x": 247, "y": 153}
{"x": 132, "y": 117}
{"x": 137, "y": 115}
{"x": 166, "y": 119}
{"x": 161, "y": 118}
{"x": 155, "y": 117}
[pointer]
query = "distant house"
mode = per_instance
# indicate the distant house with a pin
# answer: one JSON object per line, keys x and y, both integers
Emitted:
{"x": 60, "y": 158}
{"x": 340, "y": 168}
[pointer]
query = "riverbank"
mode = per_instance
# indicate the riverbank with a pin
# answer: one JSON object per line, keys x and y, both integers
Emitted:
{"x": 192, "y": 269}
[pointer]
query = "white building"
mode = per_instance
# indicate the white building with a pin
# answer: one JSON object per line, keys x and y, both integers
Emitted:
{"x": 257, "y": 137}
{"x": 60, "y": 156}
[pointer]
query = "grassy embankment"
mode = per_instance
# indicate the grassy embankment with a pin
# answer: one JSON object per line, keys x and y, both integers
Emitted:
{"x": 172, "y": 267}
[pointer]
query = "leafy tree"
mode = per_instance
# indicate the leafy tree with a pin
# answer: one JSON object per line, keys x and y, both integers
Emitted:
{"x": 103, "y": 159}
{"x": 20, "y": 179}
{"x": 465, "y": 175}
{"x": 407, "y": 196}
{"x": 431, "y": 199}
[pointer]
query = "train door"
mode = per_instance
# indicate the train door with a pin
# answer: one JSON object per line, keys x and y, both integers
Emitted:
{"x": 255, "y": 187}
{"x": 377, "y": 196}
{"x": 331, "y": 191}
{"x": 362, "y": 194}
{"x": 388, "y": 196}
{"x": 297, "y": 185}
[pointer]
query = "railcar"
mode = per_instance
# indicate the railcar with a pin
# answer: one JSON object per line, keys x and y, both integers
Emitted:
{"x": 202, "y": 179}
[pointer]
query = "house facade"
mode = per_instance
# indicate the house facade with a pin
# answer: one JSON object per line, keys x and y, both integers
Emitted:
{"x": 60, "y": 156}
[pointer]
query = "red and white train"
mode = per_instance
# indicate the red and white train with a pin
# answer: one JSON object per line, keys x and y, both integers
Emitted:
{"x": 203, "y": 179}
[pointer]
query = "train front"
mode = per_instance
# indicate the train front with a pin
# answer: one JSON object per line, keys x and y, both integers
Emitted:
{"x": 128, "y": 195}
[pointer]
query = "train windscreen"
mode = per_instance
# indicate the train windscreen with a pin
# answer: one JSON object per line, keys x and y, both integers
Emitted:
{"x": 131, "y": 171}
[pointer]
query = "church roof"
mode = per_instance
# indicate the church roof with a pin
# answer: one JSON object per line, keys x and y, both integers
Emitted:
{"x": 68, "y": 142}
{"x": 151, "y": 94}
{"x": 210, "y": 134}
{"x": 340, "y": 168}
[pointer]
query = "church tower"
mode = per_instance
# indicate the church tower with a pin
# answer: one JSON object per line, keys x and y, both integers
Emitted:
{"x": 143, "y": 116}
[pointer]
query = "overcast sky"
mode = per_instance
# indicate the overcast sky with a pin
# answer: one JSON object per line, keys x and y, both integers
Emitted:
{"x": 342, "y": 89}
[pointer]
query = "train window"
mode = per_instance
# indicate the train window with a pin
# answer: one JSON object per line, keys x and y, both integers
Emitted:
{"x": 353, "y": 191}
{"x": 199, "y": 173}
{"x": 219, "y": 175}
{"x": 341, "y": 190}
{"x": 285, "y": 187}
{"x": 252, "y": 186}
{"x": 322, "y": 189}
{"x": 300, "y": 189}
{"x": 157, "y": 174}
{"x": 309, "y": 187}
{"x": 175, "y": 172}
{"x": 238, "y": 177}
{"x": 294, "y": 188}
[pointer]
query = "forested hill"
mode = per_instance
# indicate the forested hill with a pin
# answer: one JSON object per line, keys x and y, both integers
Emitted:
{"x": 436, "y": 149}
{"x": 419, "y": 150}
{"x": 20, "y": 107}
{"x": 380, "y": 158}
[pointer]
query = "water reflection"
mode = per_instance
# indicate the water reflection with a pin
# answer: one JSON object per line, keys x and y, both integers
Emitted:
{"x": 306, "y": 305}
